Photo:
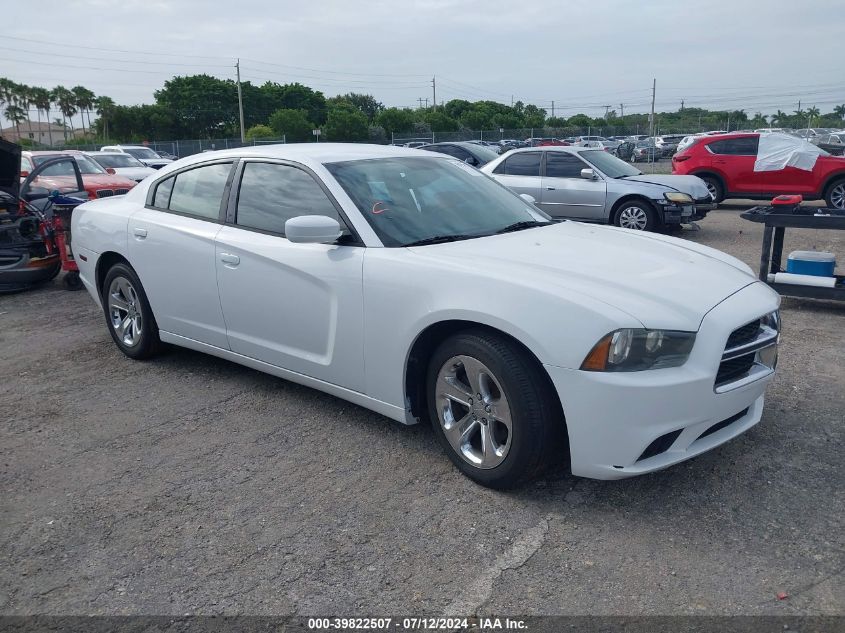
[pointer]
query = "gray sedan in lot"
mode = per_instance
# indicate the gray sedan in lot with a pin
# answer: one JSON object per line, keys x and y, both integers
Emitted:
{"x": 581, "y": 183}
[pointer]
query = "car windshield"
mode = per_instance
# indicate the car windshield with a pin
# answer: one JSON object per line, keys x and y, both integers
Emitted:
{"x": 141, "y": 152}
{"x": 117, "y": 160}
{"x": 608, "y": 164}
{"x": 412, "y": 199}
{"x": 86, "y": 165}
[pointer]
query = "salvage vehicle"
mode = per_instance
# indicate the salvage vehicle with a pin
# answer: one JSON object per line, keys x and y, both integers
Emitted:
{"x": 96, "y": 180}
{"x": 761, "y": 166}
{"x": 144, "y": 154}
{"x": 593, "y": 185}
{"x": 645, "y": 152}
{"x": 411, "y": 284}
{"x": 471, "y": 153}
{"x": 124, "y": 165}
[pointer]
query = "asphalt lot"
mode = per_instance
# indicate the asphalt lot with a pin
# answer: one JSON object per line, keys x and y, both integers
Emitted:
{"x": 192, "y": 485}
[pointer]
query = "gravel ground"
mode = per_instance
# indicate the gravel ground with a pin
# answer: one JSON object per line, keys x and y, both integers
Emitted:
{"x": 192, "y": 485}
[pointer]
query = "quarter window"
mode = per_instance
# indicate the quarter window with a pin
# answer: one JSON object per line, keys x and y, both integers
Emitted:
{"x": 563, "y": 165}
{"x": 271, "y": 194}
{"x": 521, "y": 164}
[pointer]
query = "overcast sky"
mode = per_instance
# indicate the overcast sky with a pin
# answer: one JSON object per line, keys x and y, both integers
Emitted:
{"x": 583, "y": 54}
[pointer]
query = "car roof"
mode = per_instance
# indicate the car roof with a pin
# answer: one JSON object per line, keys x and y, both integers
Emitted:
{"x": 571, "y": 149}
{"x": 55, "y": 152}
{"x": 310, "y": 152}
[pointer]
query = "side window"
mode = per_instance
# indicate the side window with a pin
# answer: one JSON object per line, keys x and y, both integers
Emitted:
{"x": 735, "y": 146}
{"x": 199, "y": 191}
{"x": 272, "y": 194}
{"x": 523, "y": 164}
{"x": 25, "y": 164}
{"x": 163, "y": 191}
{"x": 563, "y": 165}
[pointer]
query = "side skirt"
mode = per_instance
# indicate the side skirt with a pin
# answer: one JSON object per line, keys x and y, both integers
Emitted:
{"x": 391, "y": 411}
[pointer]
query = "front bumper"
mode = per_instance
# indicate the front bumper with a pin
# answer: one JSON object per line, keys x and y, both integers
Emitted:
{"x": 613, "y": 418}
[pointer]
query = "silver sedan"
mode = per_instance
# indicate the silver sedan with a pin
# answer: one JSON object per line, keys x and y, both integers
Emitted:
{"x": 588, "y": 184}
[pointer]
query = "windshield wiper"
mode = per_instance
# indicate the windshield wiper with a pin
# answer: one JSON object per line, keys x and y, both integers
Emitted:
{"x": 439, "y": 239}
{"x": 518, "y": 226}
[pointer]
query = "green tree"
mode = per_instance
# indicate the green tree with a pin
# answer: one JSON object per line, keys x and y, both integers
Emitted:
{"x": 365, "y": 104}
{"x": 260, "y": 132}
{"x": 104, "y": 107}
{"x": 293, "y": 124}
{"x": 298, "y": 97}
{"x": 66, "y": 101}
{"x": 42, "y": 102}
{"x": 346, "y": 125}
{"x": 840, "y": 111}
{"x": 203, "y": 105}
{"x": 439, "y": 121}
{"x": 85, "y": 102}
{"x": 395, "y": 120}
{"x": 16, "y": 115}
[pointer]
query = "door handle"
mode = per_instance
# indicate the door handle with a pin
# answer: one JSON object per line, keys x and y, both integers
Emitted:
{"x": 550, "y": 188}
{"x": 140, "y": 233}
{"x": 229, "y": 259}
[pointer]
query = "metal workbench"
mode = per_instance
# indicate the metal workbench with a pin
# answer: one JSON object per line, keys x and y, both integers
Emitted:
{"x": 771, "y": 257}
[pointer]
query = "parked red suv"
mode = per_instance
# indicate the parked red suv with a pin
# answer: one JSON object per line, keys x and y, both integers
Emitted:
{"x": 726, "y": 164}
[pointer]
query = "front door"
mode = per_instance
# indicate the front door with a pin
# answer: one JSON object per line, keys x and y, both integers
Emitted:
{"x": 565, "y": 194}
{"x": 295, "y": 306}
{"x": 520, "y": 172}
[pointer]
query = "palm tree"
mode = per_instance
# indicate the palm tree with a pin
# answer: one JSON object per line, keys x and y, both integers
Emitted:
{"x": 840, "y": 111}
{"x": 779, "y": 117}
{"x": 812, "y": 113}
{"x": 24, "y": 99}
{"x": 16, "y": 115}
{"x": 7, "y": 91}
{"x": 84, "y": 101}
{"x": 104, "y": 108}
{"x": 66, "y": 101}
{"x": 41, "y": 101}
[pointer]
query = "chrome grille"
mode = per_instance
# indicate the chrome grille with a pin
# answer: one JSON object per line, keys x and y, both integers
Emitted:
{"x": 741, "y": 360}
{"x": 121, "y": 192}
{"x": 104, "y": 193}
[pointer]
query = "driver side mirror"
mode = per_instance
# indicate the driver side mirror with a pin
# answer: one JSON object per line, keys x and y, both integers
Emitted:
{"x": 111, "y": 170}
{"x": 588, "y": 174}
{"x": 471, "y": 160}
{"x": 528, "y": 198}
{"x": 312, "y": 229}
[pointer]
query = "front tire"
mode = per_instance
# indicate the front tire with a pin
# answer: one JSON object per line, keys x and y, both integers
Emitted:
{"x": 637, "y": 215}
{"x": 128, "y": 314}
{"x": 834, "y": 197}
{"x": 492, "y": 409}
{"x": 715, "y": 187}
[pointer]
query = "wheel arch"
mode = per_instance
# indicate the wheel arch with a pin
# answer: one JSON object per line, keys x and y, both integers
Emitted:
{"x": 630, "y": 197}
{"x": 830, "y": 181}
{"x": 713, "y": 174}
{"x": 104, "y": 262}
{"x": 421, "y": 350}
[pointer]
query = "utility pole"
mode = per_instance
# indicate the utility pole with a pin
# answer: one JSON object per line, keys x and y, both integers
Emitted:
{"x": 651, "y": 120}
{"x": 682, "y": 105}
{"x": 420, "y": 99}
{"x": 606, "y": 111}
{"x": 553, "y": 109}
{"x": 240, "y": 100}
{"x": 622, "y": 110}
{"x": 434, "y": 93}
{"x": 426, "y": 102}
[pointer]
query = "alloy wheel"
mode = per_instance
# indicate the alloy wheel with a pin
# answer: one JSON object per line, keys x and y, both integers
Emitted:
{"x": 837, "y": 196}
{"x": 633, "y": 217}
{"x": 473, "y": 411}
{"x": 711, "y": 188}
{"x": 125, "y": 311}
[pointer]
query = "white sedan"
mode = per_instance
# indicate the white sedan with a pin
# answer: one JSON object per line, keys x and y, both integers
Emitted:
{"x": 414, "y": 285}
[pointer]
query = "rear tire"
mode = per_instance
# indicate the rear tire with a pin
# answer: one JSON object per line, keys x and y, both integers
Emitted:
{"x": 637, "y": 214}
{"x": 715, "y": 187}
{"x": 834, "y": 197}
{"x": 509, "y": 434}
{"x": 129, "y": 317}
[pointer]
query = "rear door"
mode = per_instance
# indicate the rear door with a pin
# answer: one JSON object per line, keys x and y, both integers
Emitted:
{"x": 565, "y": 194}
{"x": 171, "y": 247}
{"x": 520, "y": 172}
{"x": 735, "y": 158}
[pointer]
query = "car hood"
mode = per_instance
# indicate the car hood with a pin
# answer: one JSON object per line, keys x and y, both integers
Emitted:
{"x": 155, "y": 162}
{"x": 692, "y": 185}
{"x": 661, "y": 281}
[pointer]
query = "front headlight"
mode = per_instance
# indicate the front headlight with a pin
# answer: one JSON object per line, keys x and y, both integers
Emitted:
{"x": 676, "y": 197}
{"x": 638, "y": 349}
